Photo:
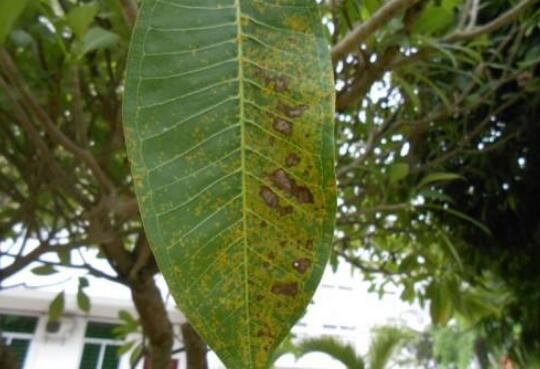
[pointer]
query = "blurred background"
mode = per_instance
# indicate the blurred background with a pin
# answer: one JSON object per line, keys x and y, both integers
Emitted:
{"x": 437, "y": 247}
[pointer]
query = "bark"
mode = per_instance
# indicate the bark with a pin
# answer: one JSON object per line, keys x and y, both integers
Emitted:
{"x": 154, "y": 321}
{"x": 195, "y": 348}
{"x": 8, "y": 360}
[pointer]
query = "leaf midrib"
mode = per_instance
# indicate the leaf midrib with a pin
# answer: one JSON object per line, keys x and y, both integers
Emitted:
{"x": 241, "y": 118}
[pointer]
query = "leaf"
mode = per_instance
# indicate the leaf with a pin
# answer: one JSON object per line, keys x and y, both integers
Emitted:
{"x": 79, "y": 18}
{"x": 97, "y": 38}
{"x": 441, "y": 304}
{"x": 44, "y": 270}
{"x": 10, "y": 10}
{"x": 433, "y": 19}
{"x": 83, "y": 301}
{"x": 64, "y": 256}
{"x": 438, "y": 177}
{"x": 230, "y": 136}
{"x": 136, "y": 354}
{"x": 125, "y": 348}
{"x": 83, "y": 282}
{"x": 56, "y": 308}
{"x": 397, "y": 172}
{"x": 331, "y": 346}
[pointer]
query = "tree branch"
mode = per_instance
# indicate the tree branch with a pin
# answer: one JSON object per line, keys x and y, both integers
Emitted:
{"x": 367, "y": 28}
{"x": 501, "y": 21}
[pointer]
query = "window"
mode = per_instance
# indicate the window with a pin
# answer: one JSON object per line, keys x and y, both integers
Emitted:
{"x": 100, "y": 347}
{"x": 17, "y": 333}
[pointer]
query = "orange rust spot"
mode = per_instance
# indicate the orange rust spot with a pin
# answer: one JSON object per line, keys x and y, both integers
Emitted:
{"x": 285, "y": 288}
{"x": 301, "y": 265}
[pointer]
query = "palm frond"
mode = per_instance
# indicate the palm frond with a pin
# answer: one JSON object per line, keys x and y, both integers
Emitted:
{"x": 385, "y": 342}
{"x": 336, "y": 349}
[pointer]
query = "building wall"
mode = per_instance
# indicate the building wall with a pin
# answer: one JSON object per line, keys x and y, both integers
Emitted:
{"x": 341, "y": 308}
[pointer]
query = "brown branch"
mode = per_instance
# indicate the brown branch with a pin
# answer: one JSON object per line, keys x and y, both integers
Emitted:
{"x": 53, "y": 131}
{"x": 384, "y": 14}
{"x": 24, "y": 261}
{"x": 504, "y": 19}
{"x": 129, "y": 9}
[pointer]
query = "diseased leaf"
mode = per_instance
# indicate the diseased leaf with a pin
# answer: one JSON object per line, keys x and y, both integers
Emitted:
{"x": 228, "y": 116}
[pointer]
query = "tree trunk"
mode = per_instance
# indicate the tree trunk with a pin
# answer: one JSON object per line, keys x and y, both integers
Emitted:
{"x": 154, "y": 321}
{"x": 7, "y": 358}
{"x": 195, "y": 348}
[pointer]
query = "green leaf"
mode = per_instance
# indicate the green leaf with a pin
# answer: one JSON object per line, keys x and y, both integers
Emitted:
{"x": 438, "y": 177}
{"x": 83, "y": 301}
{"x": 441, "y": 304}
{"x": 64, "y": 256}
{"x": 433, "y": 19}
{"x": 331, "y": 346}
{"x": 44, "y": 270}
{"x": 397, "y": 172}
{"x": 97, "y": 38}
{"x": 230, "y": 136}
{"x": 125, "y": 348}
{"x": 56, "y": 308}
{"x": 83, "y": 282}
{"x": 135, "y": 355}
{"x": 10, "y": 10}
{"x": 79, "y": 18}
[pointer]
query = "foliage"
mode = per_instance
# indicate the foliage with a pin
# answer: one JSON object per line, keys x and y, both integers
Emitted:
{"x": 437, "y": 106}
{"x": 384, "y": 345}
{"x": 230, "y": 139}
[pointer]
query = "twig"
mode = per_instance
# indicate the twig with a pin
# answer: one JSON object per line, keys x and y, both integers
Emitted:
{"x": 494, "y": 25}
{"x": 366, "y": 29}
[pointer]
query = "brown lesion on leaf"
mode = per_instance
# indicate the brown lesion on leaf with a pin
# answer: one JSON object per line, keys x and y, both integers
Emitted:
{"x": 292, "y": 160}
{"x": 292, "y": 111}
{"x": 302, "y": 265}
{"x": 283, "y": 126}
{"x": 281, "y": 84}
{"x": 285, "y": 288}
{"x": 285, "y": 183}
{"x": 272, "y": 201}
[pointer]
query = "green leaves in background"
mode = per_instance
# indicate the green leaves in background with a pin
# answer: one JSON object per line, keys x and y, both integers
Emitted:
{"x": 10, "y": 10}
{"x": 98, "y": 38}
{"x": 56, "y": 308}
{"x": 80, "y": 18}
{"x": 83, "y": 301}
{"x": 228, "y": 117}
{"x": 44, "y": 270}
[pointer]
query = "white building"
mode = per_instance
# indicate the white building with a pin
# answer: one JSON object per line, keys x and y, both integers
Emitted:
{"x": 340, "y": 308}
